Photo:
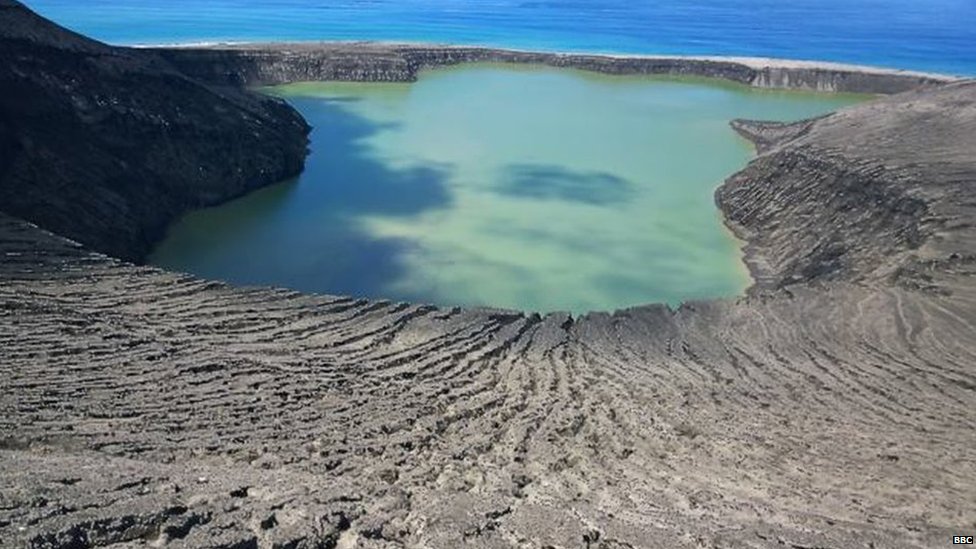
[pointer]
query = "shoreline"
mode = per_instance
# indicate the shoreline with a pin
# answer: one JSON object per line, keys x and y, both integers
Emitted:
{"x": 756, "y": 62}
{"x": 271, "y": 63}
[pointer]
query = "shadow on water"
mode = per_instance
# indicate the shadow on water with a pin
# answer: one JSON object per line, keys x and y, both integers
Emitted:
{"x": 310, "y": 235}
{"x": 355, "y": 181}
{"x": 553, "y": 182}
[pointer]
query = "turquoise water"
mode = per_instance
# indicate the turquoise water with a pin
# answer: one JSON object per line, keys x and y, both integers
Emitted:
{"x": 930, "y": 35}
{"x": 517, "y": 187}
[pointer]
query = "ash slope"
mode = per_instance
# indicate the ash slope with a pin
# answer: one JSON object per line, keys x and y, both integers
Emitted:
{"x": 832, "y": 407}
{"x": 109, "y": 145}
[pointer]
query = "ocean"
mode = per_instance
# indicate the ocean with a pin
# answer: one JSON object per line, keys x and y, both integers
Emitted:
{"x": 926, "y": 35}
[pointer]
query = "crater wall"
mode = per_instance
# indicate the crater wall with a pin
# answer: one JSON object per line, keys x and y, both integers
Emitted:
{"x": 266, "y": 64}
{"x": 109, "y": 145}
{"x": 832, "y": 406}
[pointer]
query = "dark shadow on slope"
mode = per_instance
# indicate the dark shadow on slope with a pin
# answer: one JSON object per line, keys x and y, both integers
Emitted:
{"x": 553, "y": 182}
{"x": 309, "y": 235}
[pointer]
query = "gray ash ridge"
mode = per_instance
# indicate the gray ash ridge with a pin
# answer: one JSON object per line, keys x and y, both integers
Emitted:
{"x": 833, "y": 406}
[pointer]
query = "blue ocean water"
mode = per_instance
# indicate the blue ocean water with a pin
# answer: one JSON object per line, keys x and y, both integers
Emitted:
{"x": 928, "y": 35}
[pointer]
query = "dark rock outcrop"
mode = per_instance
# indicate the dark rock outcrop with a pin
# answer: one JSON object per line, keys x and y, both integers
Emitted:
{"x": 109, "y": 145}
{"x": 833, "y": 406}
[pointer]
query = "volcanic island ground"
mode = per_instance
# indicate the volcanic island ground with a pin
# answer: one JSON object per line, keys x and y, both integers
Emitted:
{"x": 834, "y": 405}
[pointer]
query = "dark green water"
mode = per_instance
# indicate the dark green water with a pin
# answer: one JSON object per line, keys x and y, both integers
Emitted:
{"x": 527, "y": 188}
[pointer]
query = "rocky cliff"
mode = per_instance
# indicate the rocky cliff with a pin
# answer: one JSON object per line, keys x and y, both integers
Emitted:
{"x": 265, "y": 64}
{"x": 833, "y": 406}
{"x": 878, "y": 194}
{"x": 109, "y": 145}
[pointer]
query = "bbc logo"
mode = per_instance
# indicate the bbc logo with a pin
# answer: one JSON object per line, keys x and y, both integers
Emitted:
{"x": 962, "y": 540}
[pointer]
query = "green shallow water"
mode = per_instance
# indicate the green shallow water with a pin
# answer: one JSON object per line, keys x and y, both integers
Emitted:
{"x": 517, "y": 187}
